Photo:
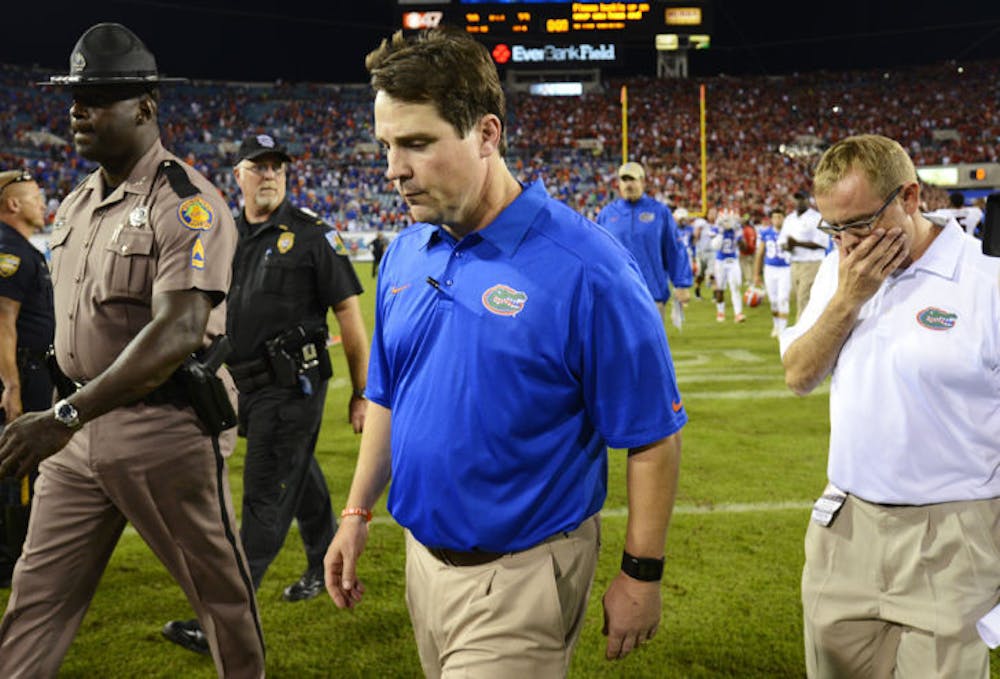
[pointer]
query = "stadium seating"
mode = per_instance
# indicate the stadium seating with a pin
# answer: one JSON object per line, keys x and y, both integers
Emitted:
{"x": 573, "y": 144}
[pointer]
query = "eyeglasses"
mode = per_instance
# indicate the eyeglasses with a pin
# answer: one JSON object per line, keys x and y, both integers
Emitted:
{"x": 861, "y": 227}
{"x": 261, "y": 169}
{"x": 22, "y": 176}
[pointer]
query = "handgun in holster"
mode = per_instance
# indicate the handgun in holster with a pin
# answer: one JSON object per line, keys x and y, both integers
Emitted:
{"x": 198, "y": 376}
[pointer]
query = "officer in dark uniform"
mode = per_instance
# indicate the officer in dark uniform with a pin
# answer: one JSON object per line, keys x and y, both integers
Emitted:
{"x": 27, "y": 326}
{"x": 290, "y": 268}
{"x": 378, "y": 246}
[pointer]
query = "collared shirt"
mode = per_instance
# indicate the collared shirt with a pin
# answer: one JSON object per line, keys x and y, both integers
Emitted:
{"x": 647, "y": 229}
{"x": 915, "y": 395}
{"x": 287, "y": 271}
{"x": 534, "y": 345}
{"x": 804, "y": 228}
{"x": 774, "y": 255}
{"x": 24, "y": 278}
{"x": 111, "y": 255}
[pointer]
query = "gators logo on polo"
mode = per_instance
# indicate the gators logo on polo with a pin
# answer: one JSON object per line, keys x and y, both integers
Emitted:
{"x": 646, "y": 217}
{"x": 196, "y": 214}
{"x": 503, "y": 300}
{"x": 937, "y": 319}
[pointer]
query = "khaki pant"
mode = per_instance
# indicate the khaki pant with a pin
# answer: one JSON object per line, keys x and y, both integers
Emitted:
{"x": 518, "y": 617}
{"x": 803, "y": 275}
{"x": 893, "y": 591}
{"x": 153, "y": 467}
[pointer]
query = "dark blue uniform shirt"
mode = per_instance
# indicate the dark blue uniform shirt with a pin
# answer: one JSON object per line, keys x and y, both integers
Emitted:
{"x": 24, "y": 277}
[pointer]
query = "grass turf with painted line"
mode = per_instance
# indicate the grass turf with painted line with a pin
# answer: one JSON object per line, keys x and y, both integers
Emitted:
{"x": 753, "y": 460}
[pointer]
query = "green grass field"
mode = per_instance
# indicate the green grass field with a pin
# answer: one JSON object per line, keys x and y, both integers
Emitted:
{"x": 754, "y": 458}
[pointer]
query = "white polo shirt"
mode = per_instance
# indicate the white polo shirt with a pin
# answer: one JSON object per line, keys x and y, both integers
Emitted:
{"x": 804, "y": 227}
{"x": 915, "y": 394}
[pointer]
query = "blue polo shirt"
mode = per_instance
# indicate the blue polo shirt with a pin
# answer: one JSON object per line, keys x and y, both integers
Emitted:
{"x": 536, "y": 346}
{"x": 648, "y": 230}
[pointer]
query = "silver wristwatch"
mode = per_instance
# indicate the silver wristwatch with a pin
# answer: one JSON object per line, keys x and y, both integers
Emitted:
{"x": 66, "y": 414}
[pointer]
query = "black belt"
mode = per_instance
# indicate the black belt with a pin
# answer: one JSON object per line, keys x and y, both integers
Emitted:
{"x": 168, "y": 393}
{"x": 26, "y": 356}
{"x": 478, "y": 557}
{"x": 251, "y": 375}
{"x": 453, "y": 557}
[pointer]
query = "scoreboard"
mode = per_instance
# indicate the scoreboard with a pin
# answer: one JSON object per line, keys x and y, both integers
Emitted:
{"x": 541, "y": 21}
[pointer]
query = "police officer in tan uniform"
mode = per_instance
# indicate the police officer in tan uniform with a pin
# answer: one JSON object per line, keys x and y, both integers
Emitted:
{"x": 141, "y": 263}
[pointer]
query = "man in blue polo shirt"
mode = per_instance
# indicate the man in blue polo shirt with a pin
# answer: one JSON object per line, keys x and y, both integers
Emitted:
{"x": 647, "y": 229}
{"x": 515, "y": 341}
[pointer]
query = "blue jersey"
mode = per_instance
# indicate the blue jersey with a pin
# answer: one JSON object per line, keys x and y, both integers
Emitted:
{"x": 774, "y": 255}
{"x": 647, "y": 229}
{"x": 510, "y": 360}
{"x": 685, "y": 235}
{"x": 728, "y": 243}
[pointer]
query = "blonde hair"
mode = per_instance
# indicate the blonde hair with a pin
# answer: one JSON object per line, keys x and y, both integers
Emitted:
{"x": 881, "y": 160}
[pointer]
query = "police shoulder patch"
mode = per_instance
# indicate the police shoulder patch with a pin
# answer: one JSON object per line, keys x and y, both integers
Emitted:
{"x": 504, "y": 300}
{"x": 196, "y": 214}
{"x": 336, "y": 242}
{"x": 198, "y": 254}
{"x": 9, "y": 264}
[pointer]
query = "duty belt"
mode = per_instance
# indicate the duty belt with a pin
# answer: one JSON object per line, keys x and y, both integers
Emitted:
{"x": 26, "y": 356}
{"x": 251, "y": 375}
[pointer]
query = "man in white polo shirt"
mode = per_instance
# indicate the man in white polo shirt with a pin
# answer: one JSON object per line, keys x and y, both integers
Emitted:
{"x": 801, "y": 237}
{"x": 902, "y": 551}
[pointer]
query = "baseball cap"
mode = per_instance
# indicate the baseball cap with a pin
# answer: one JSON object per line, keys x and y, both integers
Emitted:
{"x": 258, "y": 145}
{"x": 632, "y": 169}
{"x": 110, "y": 54}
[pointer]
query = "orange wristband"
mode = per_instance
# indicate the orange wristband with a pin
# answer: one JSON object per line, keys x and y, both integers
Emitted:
{"x": 366, "y": 514}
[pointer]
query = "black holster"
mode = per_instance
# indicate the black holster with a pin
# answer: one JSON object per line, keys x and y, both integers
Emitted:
{"x": 205, "y": 390}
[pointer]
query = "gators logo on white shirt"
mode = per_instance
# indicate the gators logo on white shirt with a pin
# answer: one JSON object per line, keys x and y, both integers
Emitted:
{"x": 933, "y": 318}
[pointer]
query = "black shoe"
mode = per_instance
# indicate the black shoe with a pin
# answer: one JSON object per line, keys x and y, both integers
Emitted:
{"x": 187, "y": 633}
{"x": 308, "y": 586}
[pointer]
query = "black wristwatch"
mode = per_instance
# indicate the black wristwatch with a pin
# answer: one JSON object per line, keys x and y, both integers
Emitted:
{"x": 66, "y": 414}
{"x": 358, "y": 393}
{"x": 647, "y": 570}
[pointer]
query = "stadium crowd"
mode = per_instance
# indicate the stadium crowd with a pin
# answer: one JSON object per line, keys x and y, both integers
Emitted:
{"x": 763, "y": 134}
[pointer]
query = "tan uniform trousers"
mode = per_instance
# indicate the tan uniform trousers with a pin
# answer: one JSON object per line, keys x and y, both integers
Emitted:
{"x": 153, "y": 467}
{"x": 803, "y": 275}
{"x": 516, "y": 617}
{"x": 891, "y": 591}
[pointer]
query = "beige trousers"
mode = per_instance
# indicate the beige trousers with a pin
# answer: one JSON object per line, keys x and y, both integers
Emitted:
{"x": 517, "y": 617}
{"x": 803, "y": 275}
{"x": 890, "y": 591}
{"x": 153, "y": 467}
